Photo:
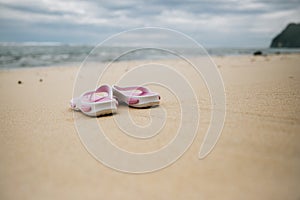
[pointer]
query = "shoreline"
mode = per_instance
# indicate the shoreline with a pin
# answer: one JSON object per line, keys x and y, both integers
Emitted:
{"x": 214, "y": 57}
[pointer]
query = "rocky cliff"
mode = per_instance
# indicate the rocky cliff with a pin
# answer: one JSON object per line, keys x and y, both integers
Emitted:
{"x": 289, "y": 37}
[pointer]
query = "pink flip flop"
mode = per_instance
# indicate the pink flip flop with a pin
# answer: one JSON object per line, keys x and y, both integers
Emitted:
{"x": 136, "y": 96}
{"x": 91, "y": 104}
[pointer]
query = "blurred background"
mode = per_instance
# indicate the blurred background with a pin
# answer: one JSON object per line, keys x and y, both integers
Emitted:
{"x": 45, "y": 32}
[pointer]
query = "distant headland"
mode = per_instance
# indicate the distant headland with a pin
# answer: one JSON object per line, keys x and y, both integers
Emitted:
{"x": 288, "y": 38}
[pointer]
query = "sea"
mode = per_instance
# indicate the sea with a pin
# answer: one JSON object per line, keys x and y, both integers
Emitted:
{"x": 26, "y": 55}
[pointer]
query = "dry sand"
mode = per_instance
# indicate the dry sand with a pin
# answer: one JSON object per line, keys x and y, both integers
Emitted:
{"x": 256, "y": 157}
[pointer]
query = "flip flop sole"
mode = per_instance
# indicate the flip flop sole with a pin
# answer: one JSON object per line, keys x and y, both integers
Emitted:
{"x": 106, "y": 112}
{"x": 144, "y": 105}
{"x": 102, "y": 109}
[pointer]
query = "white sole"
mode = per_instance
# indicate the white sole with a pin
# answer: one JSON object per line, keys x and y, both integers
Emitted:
{"x": 145, "y": 105}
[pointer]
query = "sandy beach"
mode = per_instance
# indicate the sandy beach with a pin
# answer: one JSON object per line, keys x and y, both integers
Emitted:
{"x": 256, "y": 157}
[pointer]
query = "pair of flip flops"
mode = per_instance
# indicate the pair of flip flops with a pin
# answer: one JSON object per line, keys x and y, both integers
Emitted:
{"x": 104, "y": 100}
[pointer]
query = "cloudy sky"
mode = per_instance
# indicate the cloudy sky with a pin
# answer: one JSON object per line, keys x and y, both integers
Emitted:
{"x": 213, "y": 23}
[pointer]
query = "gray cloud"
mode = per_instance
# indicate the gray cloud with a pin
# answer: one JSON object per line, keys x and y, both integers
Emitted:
{"x": 212, "y": 23}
